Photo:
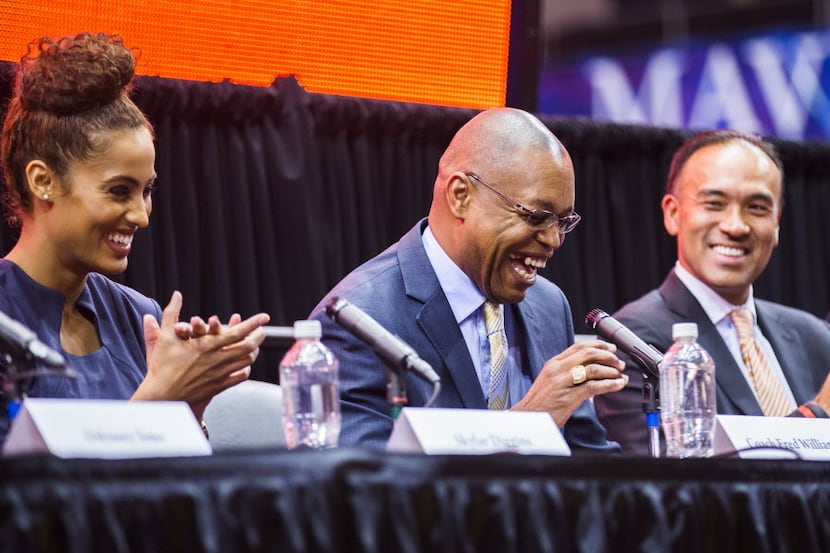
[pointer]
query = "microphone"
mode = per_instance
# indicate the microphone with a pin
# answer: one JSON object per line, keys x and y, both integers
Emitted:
{"x": 609, "y": 328}
{"x": 21, "y": 342}
{"x": 393, "y": 351}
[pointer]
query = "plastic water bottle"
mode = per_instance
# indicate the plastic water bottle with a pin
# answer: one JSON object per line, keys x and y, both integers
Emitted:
{"x": 310, "y": 390}
{"x": 687, "y": 395}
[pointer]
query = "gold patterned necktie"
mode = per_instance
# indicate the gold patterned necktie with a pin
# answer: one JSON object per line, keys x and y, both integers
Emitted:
{"x": 771, "y": 393}
{"x": 494, "y": 324}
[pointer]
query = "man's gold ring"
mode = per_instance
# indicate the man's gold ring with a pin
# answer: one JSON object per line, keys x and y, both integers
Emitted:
{"x": 579, "y": 375}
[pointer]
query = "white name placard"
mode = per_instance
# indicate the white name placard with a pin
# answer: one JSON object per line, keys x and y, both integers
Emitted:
{"x": 475, "y": 431}
{"x": 773, "y": 437}
{"x": 105, "y": 429}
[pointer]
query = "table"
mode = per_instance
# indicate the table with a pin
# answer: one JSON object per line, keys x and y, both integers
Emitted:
{"x": 353, "y": 500}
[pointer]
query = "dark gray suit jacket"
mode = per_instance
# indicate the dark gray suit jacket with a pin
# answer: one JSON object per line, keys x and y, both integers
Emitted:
{"x": 399, "y": 289}
{"x": 801, "y": 343}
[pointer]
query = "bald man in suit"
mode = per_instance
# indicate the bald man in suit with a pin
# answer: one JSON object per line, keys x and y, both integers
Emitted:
{"x": 503, "y": 202}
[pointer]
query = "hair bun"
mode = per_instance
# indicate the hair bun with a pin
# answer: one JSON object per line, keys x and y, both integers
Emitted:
{"x": 74, "y": 74}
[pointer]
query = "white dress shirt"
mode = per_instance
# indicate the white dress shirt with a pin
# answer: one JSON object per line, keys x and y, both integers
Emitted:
{"x": 718, "y": 311}
{"x": 465, "y": 301}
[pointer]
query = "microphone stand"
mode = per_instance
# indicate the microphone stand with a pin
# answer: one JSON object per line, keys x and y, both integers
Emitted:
{"x": 14, "y": 370}
{"x": 651, "y": 399}
{"x": 651, "y": 407}
{"x": 395, "y": 392}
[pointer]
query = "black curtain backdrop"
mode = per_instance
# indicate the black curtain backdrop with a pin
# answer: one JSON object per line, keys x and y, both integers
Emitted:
{"x": 268, "y": 196}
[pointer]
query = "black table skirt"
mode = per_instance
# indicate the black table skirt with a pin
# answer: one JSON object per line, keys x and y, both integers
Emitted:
{"x": 351, "y": 500}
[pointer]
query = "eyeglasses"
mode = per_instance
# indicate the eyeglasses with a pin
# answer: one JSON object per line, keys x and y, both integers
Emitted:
{"x": 537, "y": 219}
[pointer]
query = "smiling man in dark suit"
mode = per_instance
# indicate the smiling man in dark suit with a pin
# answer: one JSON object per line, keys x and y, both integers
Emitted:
{"x": 723, "y": 204}
{"x": 502, "y": 204}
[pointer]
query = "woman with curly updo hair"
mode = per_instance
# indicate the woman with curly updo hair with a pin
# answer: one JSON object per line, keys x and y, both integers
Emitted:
{"x": 78, "y": 159}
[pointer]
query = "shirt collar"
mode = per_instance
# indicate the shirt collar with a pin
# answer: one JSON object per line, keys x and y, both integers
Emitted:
{"x": 713, "y": 304}
{"x": 462, "y": 295}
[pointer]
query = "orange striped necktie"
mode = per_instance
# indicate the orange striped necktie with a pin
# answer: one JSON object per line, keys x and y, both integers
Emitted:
{"x": 497, "y": 339}
{"x": 771, "y": 393}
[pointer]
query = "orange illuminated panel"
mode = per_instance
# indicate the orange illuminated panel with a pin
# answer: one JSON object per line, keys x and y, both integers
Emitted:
{"x": 448, "y": 52}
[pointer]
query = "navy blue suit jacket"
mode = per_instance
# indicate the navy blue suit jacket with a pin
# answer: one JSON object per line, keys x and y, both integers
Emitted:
{"x": 400, "y": 290}
{"x": 800, "y": 340}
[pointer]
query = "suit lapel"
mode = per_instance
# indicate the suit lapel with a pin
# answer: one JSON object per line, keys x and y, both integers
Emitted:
{"x": 436, "y": 318}
{"x": 731, "y": 383}
{"x": 788, "y": 350}
{"x": 449, "y": 342}
{"x": 531, "y": 324}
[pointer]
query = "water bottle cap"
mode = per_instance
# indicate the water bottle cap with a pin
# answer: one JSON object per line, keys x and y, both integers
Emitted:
{"x": 683, "y": 330}
{"x": 307, "y": 329}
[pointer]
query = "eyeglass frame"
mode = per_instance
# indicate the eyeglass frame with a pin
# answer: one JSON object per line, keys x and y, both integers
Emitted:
{"x": 550, "y": 218}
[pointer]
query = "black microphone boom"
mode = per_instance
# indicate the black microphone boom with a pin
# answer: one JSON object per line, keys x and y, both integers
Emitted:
{"x": 610, "y": 329}
{"x": 394, "y": 352}
{"x": 21, "y": 342}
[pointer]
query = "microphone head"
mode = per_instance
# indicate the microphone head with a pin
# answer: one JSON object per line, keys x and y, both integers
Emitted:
{"x": 46, "y": 355}
{"x": 593, "y": 318}
{"x": 334, "y": 306}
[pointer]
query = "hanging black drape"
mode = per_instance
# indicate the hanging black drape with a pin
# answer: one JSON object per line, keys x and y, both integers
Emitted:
{"x": 268, "y": 196}
{"x": 350, "y": 500}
